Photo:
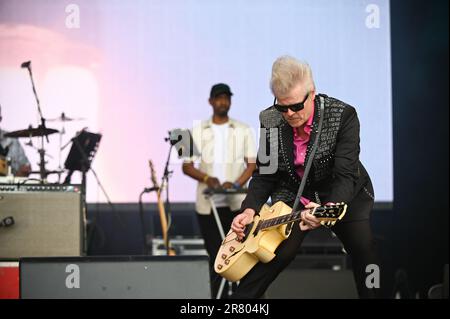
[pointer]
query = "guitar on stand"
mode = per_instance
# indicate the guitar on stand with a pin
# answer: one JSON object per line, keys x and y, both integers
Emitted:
{"x": 162, "y": 211}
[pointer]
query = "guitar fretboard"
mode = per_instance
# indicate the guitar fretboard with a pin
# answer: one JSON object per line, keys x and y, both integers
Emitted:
{"x": 329, "y": 212}
{"x": 280, "y": 220}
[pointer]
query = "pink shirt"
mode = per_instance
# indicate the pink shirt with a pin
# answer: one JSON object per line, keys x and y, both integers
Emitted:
{"x": 300, "y": 146}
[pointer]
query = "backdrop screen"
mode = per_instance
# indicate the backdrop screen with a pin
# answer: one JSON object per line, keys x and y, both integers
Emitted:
{"x": 133, "y": 70}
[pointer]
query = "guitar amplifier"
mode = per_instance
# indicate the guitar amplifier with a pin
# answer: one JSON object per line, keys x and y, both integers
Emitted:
{"x": 41, "y": 220}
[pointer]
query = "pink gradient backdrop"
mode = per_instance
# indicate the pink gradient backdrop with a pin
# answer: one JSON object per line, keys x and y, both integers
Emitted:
{"x": 136, "y": 69}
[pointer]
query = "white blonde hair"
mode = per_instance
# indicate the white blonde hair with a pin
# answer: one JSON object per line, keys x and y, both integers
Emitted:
{"x": 287, "y": 72}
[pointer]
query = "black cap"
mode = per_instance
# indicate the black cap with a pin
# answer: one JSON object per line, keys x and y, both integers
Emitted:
{"x": 220, "y": 88}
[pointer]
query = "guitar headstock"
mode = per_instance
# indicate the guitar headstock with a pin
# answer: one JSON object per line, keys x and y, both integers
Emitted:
{"x": 153, "y": 174}
{"x": 330, "y": 212}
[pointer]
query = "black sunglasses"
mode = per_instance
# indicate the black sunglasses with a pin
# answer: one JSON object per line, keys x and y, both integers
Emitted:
{"x": 293, "y": 107}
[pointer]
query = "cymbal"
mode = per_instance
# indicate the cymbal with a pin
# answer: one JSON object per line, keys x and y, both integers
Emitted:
{"x": 32, "y": 132}
{"x": 64, "y": 118}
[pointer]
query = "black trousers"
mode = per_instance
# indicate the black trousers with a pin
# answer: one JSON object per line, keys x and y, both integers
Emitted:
{"x": 213, "y": 240}
{"x": 356, "y": 235}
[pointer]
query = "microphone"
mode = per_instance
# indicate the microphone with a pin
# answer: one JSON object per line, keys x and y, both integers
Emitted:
{"x": 25, "y": 64}
{"x": 7, "y": 221}
{"x": 175, "y": 136}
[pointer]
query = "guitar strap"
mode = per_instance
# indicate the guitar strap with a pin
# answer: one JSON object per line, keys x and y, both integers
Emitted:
{"x": 309, "y": 163}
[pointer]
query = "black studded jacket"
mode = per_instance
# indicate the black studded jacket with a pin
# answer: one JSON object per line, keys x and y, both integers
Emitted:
{"x": 336, "y": 173}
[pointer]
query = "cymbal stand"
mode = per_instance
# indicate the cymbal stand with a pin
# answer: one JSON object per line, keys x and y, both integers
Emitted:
{"x": 41, "y": 151}
{"x": 60, "y": 148}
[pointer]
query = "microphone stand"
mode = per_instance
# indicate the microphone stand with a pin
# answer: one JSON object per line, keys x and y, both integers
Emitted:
{"x": 165, "y": 183}
{"x": 85, "y": 167}
{"x": 41, "y": 151}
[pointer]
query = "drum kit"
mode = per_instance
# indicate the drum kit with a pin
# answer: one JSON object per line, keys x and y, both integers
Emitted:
{"x": 84, "y": 145}
{"x": 42, "y": 132}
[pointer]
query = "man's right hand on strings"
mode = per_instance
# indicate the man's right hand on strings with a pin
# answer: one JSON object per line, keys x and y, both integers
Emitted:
{"x": 241, "y": 220}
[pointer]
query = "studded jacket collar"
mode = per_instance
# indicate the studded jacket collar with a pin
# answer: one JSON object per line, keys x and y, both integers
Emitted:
{"x": 336, "y": 174}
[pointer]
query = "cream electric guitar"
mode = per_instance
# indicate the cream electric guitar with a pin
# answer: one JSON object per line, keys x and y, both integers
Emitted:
{"x": 262, "y": 237}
